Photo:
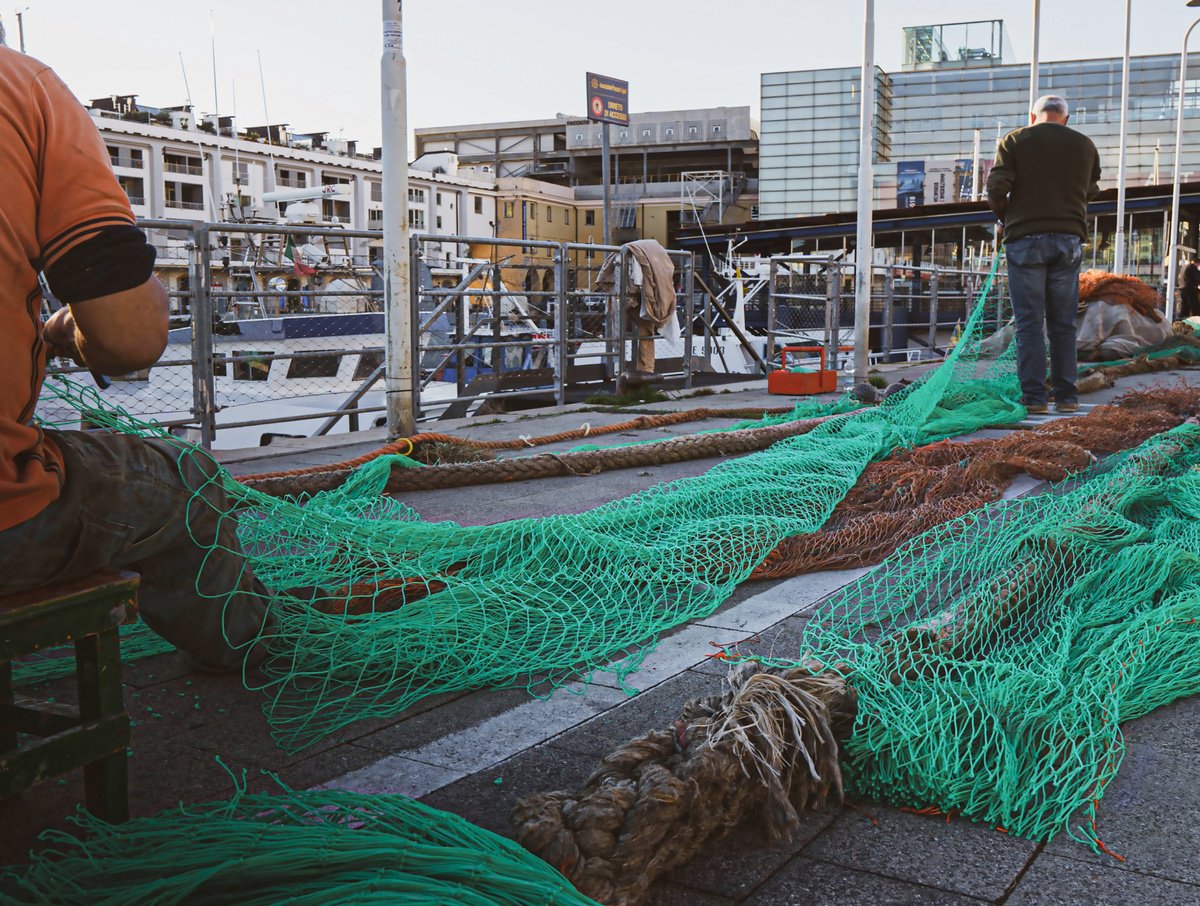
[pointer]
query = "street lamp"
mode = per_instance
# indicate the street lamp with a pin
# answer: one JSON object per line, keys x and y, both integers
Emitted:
{"x": 863, "y": 251}
{"x": 1119, "y": 250}
{"x": 1173, "y": 267}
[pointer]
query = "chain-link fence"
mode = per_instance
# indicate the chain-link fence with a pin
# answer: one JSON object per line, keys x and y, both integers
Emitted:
{"x": 280, "y": 330}
{"x": 914, "y": 315}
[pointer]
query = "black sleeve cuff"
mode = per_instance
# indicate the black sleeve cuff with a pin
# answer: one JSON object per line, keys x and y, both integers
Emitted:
{"x": 116, "y": 259}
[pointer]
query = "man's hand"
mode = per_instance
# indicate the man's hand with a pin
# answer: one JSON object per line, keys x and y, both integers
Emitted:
{"x": 999, "y": 231}
{"x": 60, "y": 337}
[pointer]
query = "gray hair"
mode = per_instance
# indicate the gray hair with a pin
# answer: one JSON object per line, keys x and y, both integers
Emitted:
{"x": 1051, "y": 103}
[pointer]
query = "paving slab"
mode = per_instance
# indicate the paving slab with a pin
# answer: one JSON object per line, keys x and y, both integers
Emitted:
{"x": 1147, "y": 816}
{"x": 738, "y": 863}
{"x": 1056, "y": 881}
{"x": 487, "y": 797}
{"x": 807, "y": 882}
{"x": 956, "y": 856}
{"x": 655, "y": 709}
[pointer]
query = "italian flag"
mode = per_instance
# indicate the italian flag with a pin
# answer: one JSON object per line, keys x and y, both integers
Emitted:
{"x": 299, "y": 268}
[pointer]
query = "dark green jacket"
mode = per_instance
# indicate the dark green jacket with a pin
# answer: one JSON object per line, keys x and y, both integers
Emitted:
{"x": 1042, "y": 180}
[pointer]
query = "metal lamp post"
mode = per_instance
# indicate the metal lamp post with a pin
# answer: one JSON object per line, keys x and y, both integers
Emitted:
{"x": 863, "y": 248}
{"x": 398, "y": 320}
{"x": 1173, "y": 237}
{"x": 1119, "y": 249}
{"x": 1033, "y": 64}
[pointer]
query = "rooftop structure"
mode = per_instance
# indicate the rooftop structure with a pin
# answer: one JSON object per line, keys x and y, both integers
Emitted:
{"x": 958, "y": 90}
{"x": 956, "y": 45}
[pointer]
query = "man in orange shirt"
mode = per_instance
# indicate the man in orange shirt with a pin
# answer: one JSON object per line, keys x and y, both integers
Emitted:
{"x": 72, "y": 502}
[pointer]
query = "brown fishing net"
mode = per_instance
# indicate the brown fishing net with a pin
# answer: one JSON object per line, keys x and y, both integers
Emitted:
{"x": 1121, "y": 289}
{"x": 912, "y": 491}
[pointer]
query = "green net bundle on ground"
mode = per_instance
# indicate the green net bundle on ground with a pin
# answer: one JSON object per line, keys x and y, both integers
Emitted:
{"x": 995, "y": 657}
{"x": 317, "y": 847}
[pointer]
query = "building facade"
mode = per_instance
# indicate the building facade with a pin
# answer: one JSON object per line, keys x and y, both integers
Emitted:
{"x": 669, "y": 169}
{"x": 954, "y": 90}
{"x": 176, "y": 167}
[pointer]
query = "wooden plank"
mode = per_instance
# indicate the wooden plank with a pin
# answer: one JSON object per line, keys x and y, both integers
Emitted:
{"x": 81, "y": 611}
{"x": 48, "y": 758}
{"x": 39, "y": 721}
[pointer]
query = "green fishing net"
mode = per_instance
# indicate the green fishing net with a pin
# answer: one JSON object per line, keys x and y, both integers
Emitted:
{"x": 317, "y": 847}
{"x": 996, "y": 656}
{"x": 376, "y": 608}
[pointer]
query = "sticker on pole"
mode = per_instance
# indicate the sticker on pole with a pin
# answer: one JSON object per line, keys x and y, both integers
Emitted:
{"x": 393, "y": 34}
{"x": 608, "y": 99}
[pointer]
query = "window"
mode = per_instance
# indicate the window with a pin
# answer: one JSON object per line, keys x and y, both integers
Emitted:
{"x": 251, "y": 365}
{"x": 416, "y": 196}
{"x": 336, "y": 211}
{"x": 241, "y": 172}
{"x": 438, "y": 198}
{"x": 567, "y": 216}
{"x": 589, "y": 218}
{"x": 319, "y": 363}
{"x": 368, "y": 362}
{"x": 645, "y": 133}
{"x": 376, "y": 191}
{"x": 478, "y": 203}
{"x": 754, "y": 212}
{"x": 668, "y": 131}
{"x": 693, "y": 130}
{"x": 508, "y": 209}
{"x": 624, "y": 133}
{"x": 294, "y": 179}
{"x": 416, "y": 219}
{"x": 134, "y": 188}
{"x": 590, "y": 254}
{"x": 716, "y": 129}
{"x": 532, "y": 209}
{"x": 218, "y": 365}
{"x": 439, "y": 221}
{"x": 578, "y": 136}
{"x": 549, "y": 214}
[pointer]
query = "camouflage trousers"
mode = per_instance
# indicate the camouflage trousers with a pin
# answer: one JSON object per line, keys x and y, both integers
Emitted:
{"x": 153, "y": 507}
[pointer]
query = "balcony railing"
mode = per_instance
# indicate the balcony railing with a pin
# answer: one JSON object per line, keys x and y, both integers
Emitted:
{"x": 136, "y": 200}
{"x": 189, "y": 169}
{"x": 132, "y": 163}
{"x": 186, "y": 205}
{"x": 290, "y": 182}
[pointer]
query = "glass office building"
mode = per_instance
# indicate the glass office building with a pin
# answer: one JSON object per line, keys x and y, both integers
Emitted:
{"x": 956, "y": 90}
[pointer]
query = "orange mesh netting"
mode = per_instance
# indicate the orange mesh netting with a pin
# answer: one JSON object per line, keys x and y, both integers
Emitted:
{"x": 1121, "y": 289}
{"x": 914, "y": 490}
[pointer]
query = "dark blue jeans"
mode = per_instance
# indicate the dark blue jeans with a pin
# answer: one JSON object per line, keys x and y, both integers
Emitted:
{"x": 1043, "y": 281}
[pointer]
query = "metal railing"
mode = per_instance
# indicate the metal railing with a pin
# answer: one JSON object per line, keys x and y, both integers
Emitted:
{"x": 187, "y": 169}
{"x": 280, "y": 329}
{"x": 131, "y": 163}
{"x": 915, "y": 310}
{"x": 535, "y": 317}
{"x": 185, "y": 205}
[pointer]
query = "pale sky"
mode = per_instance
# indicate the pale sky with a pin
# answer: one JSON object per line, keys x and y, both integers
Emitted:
{"x": 485, "y": 60}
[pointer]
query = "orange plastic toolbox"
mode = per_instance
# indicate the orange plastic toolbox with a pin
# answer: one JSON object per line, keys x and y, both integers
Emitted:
{"x": 801, "y": 383}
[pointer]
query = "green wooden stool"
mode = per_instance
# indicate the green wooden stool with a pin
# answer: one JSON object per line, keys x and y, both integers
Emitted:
{"x": 87, "y": 612}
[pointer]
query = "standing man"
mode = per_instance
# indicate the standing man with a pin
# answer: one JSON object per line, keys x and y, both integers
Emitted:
{"x": 72, "y": 502}
{"x": 1189, "y": 290}
{"x": 1039, "y": 188}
